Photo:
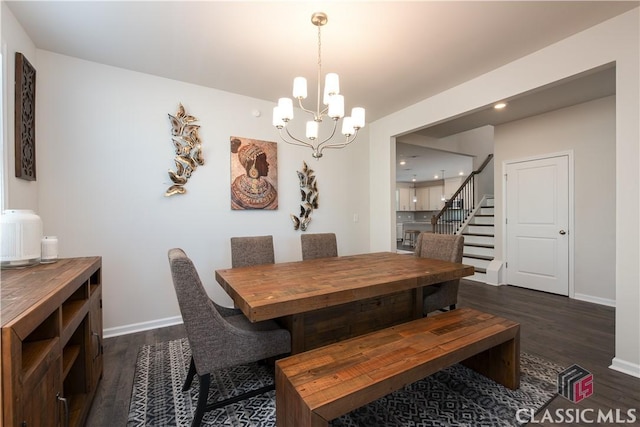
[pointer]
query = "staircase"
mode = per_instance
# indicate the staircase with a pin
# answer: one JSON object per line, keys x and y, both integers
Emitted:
{"x": 479, "y": 240}
{"x": 461, "y": 215}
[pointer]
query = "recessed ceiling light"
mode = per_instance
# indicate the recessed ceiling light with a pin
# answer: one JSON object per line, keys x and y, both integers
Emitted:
{"x": 461, "y": 173}
{"x": 435, "y": 177}
{"x": 402, "y": 162}
{"x": 500, "y": 105}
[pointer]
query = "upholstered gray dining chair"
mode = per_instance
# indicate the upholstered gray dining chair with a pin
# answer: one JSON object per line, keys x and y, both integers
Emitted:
{"x": 251, "y": 250}
{"x": 445, "y": 247}
{"x": 219, "y": 342}
{"x": 318, "y": 245}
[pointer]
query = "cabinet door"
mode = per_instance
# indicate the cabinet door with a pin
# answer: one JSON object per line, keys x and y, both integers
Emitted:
{"x": 95, "y": 342}
{"x": 40, "y": 404}
{"x": 422, "y": 194}
{"x": 405, "y": 199}
{"x": 451, "y": 185}
{"x": 435, "y": 198}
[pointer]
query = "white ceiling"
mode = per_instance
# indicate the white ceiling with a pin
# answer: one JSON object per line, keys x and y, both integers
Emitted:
{"x": 389, "y": 54}
{"x": 424, "y": 164}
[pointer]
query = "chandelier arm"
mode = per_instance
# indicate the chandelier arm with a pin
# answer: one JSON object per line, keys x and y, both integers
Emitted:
{"x": 297, "y": 141}
{"x": 342, "y": 144}
{"x": 333, "y": 132}
{"x": 313, "y": 113}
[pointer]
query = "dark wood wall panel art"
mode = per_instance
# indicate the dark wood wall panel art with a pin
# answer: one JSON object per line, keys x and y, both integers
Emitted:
{"x": 25, "y": 119}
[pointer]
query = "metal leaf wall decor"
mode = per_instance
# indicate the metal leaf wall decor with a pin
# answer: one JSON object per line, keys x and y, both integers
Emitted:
{"x": 309, "y": 198}
{"x": 188, "y": 149}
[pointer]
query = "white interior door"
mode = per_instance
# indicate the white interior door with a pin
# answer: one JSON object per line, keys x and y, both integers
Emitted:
{"x": 537, "y": 220}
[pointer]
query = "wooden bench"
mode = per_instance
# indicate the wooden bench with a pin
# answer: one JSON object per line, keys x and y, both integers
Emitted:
{"x": 320, "y": 385}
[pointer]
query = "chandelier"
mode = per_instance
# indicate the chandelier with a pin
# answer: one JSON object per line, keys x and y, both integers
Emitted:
{"x": 333, "y": 108}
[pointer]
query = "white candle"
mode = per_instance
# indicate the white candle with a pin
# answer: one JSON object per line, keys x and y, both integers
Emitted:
{"x": 49, "y": 249}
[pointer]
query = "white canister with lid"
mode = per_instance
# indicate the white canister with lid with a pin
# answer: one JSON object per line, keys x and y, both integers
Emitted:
{"x": 21, "y": 238}
{"x": 49, "y": 249}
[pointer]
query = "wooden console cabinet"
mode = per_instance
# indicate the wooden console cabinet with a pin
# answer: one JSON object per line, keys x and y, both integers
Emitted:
{"x": 51, "y": 317}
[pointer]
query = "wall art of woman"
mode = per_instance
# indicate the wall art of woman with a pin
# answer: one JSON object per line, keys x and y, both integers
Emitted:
{"x": 253, "y": 187}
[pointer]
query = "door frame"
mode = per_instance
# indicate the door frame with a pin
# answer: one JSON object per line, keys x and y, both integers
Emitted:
{"x": 571, "y": 204}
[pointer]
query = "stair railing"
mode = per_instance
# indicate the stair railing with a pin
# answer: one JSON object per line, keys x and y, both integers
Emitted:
{"x": 456, "y": 209}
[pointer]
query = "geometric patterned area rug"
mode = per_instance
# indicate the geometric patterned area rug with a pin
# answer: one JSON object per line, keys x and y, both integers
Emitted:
{"x": 455, "y": 396}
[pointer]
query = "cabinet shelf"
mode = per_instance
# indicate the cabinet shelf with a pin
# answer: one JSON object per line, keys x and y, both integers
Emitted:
{"x": 69, "y": 356}
{"x": 34, "y": 354}
{"x": 72, "y": 314}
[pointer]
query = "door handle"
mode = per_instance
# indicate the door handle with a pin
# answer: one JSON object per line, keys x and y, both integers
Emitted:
{"x": 562, "y": 232}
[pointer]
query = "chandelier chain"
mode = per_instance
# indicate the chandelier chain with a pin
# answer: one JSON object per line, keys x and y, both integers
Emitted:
{"x": 318, "y": 115}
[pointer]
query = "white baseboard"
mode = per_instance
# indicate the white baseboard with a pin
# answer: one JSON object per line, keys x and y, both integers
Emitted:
{"x": 595, "y": 300}
{"x": 494, "y": 272}
{"x": 625, "y": 367}
{"x": 142, "y": 326}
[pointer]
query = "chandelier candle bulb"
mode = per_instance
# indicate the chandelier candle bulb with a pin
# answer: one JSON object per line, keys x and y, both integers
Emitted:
{"x": 312, "y": 129}
{"x": 357, "y": 115}
{"x": 331, "y": 86}
{"x": 286, "y": 109}
{"x": 347, "y": 126}
{"x": 277, "y": 118}
{"x": 336, "y": 106}
{"x": 300, "y": 88}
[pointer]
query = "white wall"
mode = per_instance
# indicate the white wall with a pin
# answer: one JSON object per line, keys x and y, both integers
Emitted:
{"x": 104, "y": 140}
{"x": 615, "y": 40}
{"x": 478, "y": 143}
{"x": 589, "y": 131}
{"x": 103, "y": 152}
{"x": 21, "y": 194}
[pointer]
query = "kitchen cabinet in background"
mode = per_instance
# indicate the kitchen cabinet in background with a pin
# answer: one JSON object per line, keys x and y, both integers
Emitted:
{"x": 423, "y": 200}
{"x": 451, "y": 185}
{"x": 405, "y": 199}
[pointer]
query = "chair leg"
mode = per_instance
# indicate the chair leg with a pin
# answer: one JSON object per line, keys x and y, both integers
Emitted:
{"x": 203, "y": 395}
{"x": 190, "y": 375}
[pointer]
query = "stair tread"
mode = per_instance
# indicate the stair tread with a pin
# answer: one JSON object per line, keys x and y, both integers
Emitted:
{"x": 478, "y": 234}
{"x": 485, "y": 215}
{"x": 484, "y": 257}
{"x": 480, "y": 270}
{"x": 480, "y": 245}
{"x": 481, "y": 225}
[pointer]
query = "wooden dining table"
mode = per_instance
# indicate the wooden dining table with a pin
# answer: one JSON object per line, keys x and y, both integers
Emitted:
{"x": 326, "y": 300}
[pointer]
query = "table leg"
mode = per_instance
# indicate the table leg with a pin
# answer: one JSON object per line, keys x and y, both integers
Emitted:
{"x": 295, "y": 325}
{"x": 417, "y": 302}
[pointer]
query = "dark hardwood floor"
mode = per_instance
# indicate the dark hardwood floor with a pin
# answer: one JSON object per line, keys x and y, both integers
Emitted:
{"x": 556, "y": 328}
